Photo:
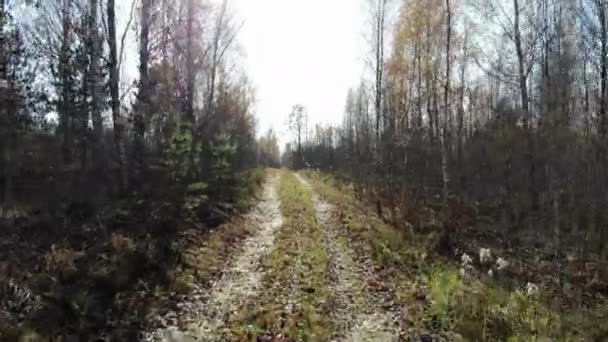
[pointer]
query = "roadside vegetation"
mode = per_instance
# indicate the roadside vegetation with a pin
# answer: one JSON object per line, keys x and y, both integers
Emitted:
{"x": 114, "y": 274}
{"x": 476, "y": 136}
{"x": 465, "y": 297}
{"x": 202, "y": 259}
{"x": 294, "y": 305}
{"x": 119, "y": 192}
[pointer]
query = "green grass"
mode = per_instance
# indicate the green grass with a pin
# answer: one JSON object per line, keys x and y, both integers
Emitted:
{"x": 457, "y": 307}
{"x": 299, "y": 260}
{"x": 476, "y": 311}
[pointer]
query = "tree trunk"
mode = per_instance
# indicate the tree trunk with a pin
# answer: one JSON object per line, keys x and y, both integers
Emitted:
{"x": 216, "y": 57}
{"x": 445, "y": 175}
{"x": 5, "y": 132}
{"x": 435, "y": 96}
{"x": 142, "y": 110}
{"x": 66, "y": 85}
{"x": 379, "y": 64}
{"x": 556, "y": 222}
{"x": 522, "y": 75}
{"x": 603, "y": 67}
{"x": 446, "y": 102}
{"x": 298, "y": 162}
{"x": 190, "y": 73}
{"x": 461, "y": 128}
{"x": 3, "y": 61}
{"x": 7, "y": 172}
{"x": 418, "y": 59}
{"x": 603, "y": 124}
{"x": 525, "y": 105}
{"x": 119, "y": 122}
{"x": 95, "y": 84}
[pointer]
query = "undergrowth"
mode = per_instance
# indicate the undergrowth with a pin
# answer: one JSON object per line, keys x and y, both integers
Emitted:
{"x": 203, "y": 258}
{"x": 249, "y": 184}
{"x": 113, "y": 274}
{"x": 295, "y": 302}
{"x": 441, "y": 299}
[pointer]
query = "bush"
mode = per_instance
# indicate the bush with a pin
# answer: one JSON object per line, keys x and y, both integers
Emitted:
{"x": 121, "y": 245}
{"x": 194, "y": 198}
{"x": 590, "y": 323}
{"x": 529, "y": 320}
{"x": 182, "y": 155}
{"x": 62, "y": 261}
{"x": 250, "y": 182}
{"x": 387, "y": 245}
{"x": 182, "y": 282}
{"x": 477, "y": 311}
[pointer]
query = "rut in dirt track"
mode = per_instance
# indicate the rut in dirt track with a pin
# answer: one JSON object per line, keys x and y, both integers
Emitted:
{"x": 359, "y": 313}
{"x": 240, "y": 281}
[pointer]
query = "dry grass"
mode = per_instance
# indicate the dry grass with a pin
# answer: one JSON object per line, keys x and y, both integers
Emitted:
{"x": 121, "y": 245}
{"x": 62, "y": 261}
{"x": 206, "y": 258}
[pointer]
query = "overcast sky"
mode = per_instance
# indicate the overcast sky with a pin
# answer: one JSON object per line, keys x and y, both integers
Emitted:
{"x": 301, "y": 51}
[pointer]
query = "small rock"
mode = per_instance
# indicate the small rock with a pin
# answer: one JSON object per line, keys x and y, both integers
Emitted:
{"x": 485, "y": 255}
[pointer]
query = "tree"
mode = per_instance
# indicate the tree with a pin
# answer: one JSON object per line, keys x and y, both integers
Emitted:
{"x": 521, "y": 124}
{"x": 14, "y": 118}
{"x": 600, "y": 9}
{"x": 446, "y": 102}
{"x": 379, "y": 32}
{"x": 190, "y": 72}
{"x": 297, "y": 126}
{"x": 224, "y": 35}
{"x": 269, "y": 154}
{"x": 142, "y": 108}
{"x": 117, "y": 118}
{"x": 95, "y": 46}
{"x": 66, "y": 85}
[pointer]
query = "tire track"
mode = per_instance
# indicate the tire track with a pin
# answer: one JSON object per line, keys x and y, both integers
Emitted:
{"x": 360, "y": 314}
{"x": 240, "y": 281}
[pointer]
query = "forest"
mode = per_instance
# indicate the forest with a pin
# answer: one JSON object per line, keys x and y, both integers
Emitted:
{"x": 116, "y": 167}
{"x": 462, "y": 196}
{"x": 491, "y": 109}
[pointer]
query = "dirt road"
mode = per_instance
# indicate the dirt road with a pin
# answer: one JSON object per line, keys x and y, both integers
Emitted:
{"x": 357, "y": 312}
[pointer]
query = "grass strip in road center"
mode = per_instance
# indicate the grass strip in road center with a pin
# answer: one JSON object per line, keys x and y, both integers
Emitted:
{"x": 294, "y": 303}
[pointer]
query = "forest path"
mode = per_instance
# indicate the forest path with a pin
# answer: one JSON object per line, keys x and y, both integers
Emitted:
{"x": 242, "y": 278}
{"x": 360, "y": 313}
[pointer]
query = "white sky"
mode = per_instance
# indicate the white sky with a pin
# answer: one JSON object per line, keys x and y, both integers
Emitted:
{"x": 301, "y": 51}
